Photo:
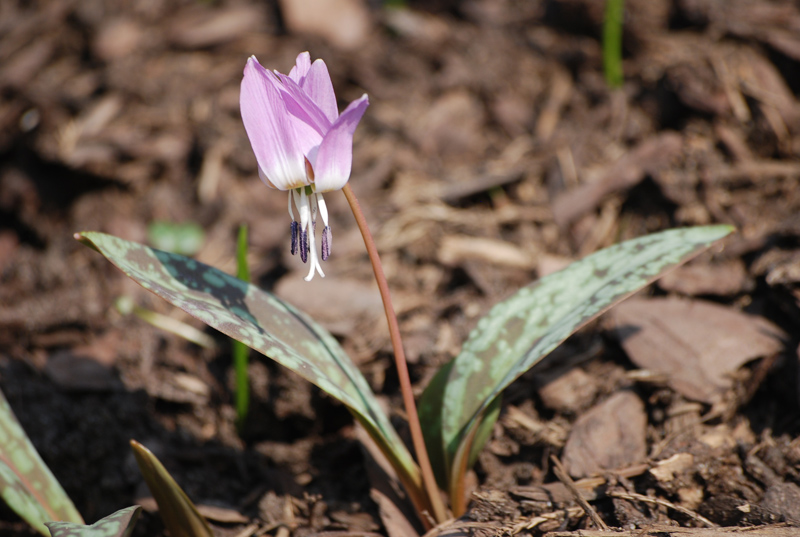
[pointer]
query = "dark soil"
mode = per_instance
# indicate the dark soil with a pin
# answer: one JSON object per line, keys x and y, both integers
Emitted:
{"x": 493, "y": 152}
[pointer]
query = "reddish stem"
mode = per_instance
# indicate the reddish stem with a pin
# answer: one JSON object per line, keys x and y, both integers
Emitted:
{"x": 428, "y": 480}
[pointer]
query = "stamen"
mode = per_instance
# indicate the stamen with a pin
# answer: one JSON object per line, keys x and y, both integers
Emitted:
{"x": 313, "y": 200}
{"x": 327, "y": 239}
{"x": 304, "y": 245}
{"x": 292, "y": 194}
{"x": 305, "y": 211}
{"x": 293, "y": 247}
{"x": 295, "y": 225}
{"x": 323, "y": 209}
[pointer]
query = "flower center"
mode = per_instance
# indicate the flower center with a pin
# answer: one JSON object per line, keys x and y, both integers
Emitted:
{"x": 309, "y": 204}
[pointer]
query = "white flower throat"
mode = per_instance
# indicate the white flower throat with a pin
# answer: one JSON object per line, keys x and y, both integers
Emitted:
{"x": 309, "y": 204}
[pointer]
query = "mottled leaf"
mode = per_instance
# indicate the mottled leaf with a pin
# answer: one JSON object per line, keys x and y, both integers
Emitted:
{"x": 263, "y": 322}
{"x": 519, "y": 331}
{"x": 26, "y": 483}
{"x": 119, "y": 524}
{"x": 179, "y": 514}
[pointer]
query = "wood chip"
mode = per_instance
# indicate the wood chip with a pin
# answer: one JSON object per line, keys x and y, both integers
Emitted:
{"x": 455, "y": 249}
{"x": 337, "y": 303}
{"x": 646, "y": 158}
{"x": 344, "y": 23}
{"x": 721, "y": 279}
{"x": 200, "y": 27}
{"x": 666, "y": 470}
{"x": 568, "y": 392}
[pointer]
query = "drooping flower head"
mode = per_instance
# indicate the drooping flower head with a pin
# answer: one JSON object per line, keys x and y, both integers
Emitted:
{"x": 301, "y": 142}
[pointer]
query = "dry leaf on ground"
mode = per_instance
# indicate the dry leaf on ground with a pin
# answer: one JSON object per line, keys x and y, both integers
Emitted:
{"x": 697, "y": 344}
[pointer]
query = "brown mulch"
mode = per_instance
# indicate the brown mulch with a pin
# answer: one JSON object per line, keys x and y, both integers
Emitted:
{"x": 492, "y": 153}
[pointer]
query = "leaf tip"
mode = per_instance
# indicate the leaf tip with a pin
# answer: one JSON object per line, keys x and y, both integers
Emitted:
{"x": 86, "y": 241}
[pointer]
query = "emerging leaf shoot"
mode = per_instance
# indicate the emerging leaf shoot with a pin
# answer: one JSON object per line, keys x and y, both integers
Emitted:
{"x": 180, "y": 515}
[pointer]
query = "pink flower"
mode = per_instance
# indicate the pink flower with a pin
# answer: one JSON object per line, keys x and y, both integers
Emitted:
{"x": 301, "y": 142}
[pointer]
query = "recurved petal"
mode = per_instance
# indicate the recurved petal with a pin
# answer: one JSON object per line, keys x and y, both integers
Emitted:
{"x": 301, "y": 66}
{"x": 335, "y": 157}
{"x": 301, "y": 107}
{"x": 269, "y": 128}
{"x": 318, "y": 86}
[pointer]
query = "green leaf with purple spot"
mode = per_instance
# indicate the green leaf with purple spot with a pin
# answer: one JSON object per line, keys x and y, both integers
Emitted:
{"x": 119, "y": 524}
{"x": 264, "y": 323}
{"x": 26, "y": 483}
{"x": 521, "y": 330}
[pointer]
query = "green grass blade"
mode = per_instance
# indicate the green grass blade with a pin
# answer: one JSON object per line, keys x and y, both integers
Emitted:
{"x": 521, "y": 330}
{"x": 263, "y": 322}
{"x": 242, "y": 269}
{"x": 612, "y": 42}
{"x": 240, "y": 350}
{"x": 185, "y": 238}
{"x": 26, "y": 483}
{"x": 119, "y": 524}
{"x": 180, "y": 516}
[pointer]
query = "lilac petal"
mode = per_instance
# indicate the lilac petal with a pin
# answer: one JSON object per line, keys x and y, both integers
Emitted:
{"x": 304, "y": 112}
{"x": 269, "y": 128}
{"x": 335, "y": 156}
{"x": 301, "y": 67}
{"x": 318, "y": 86}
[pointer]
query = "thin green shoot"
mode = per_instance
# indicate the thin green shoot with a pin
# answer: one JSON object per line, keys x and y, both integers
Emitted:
{"x": 126, "y": 306}
{"x": 240, "y": 351}
{"x": 185, "y": 238}
{"x": 612, "y": 42}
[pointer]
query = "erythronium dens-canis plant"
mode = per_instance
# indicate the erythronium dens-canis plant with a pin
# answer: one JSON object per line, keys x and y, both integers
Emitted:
{"x": 304, "y": 146}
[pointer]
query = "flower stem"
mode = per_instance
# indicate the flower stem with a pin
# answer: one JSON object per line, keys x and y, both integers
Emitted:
{"x": 428, "y": 480}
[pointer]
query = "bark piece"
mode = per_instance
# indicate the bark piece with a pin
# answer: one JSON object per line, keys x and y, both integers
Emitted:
{"x": 610, "y": 435}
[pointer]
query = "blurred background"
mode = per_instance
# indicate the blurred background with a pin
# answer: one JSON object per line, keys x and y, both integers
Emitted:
{"x": 494, "y": 151}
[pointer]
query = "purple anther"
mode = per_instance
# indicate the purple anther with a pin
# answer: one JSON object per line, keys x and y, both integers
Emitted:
{"x": 295, "y": 227}
{"x": 304, "y": 245}
{"x": 327, "y": 239}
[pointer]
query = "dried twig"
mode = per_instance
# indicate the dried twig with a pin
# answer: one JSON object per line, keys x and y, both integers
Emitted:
{"x": 566, "y": 514}
{"x": 657, "y": 501}
{"x": 562, "y": 476}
